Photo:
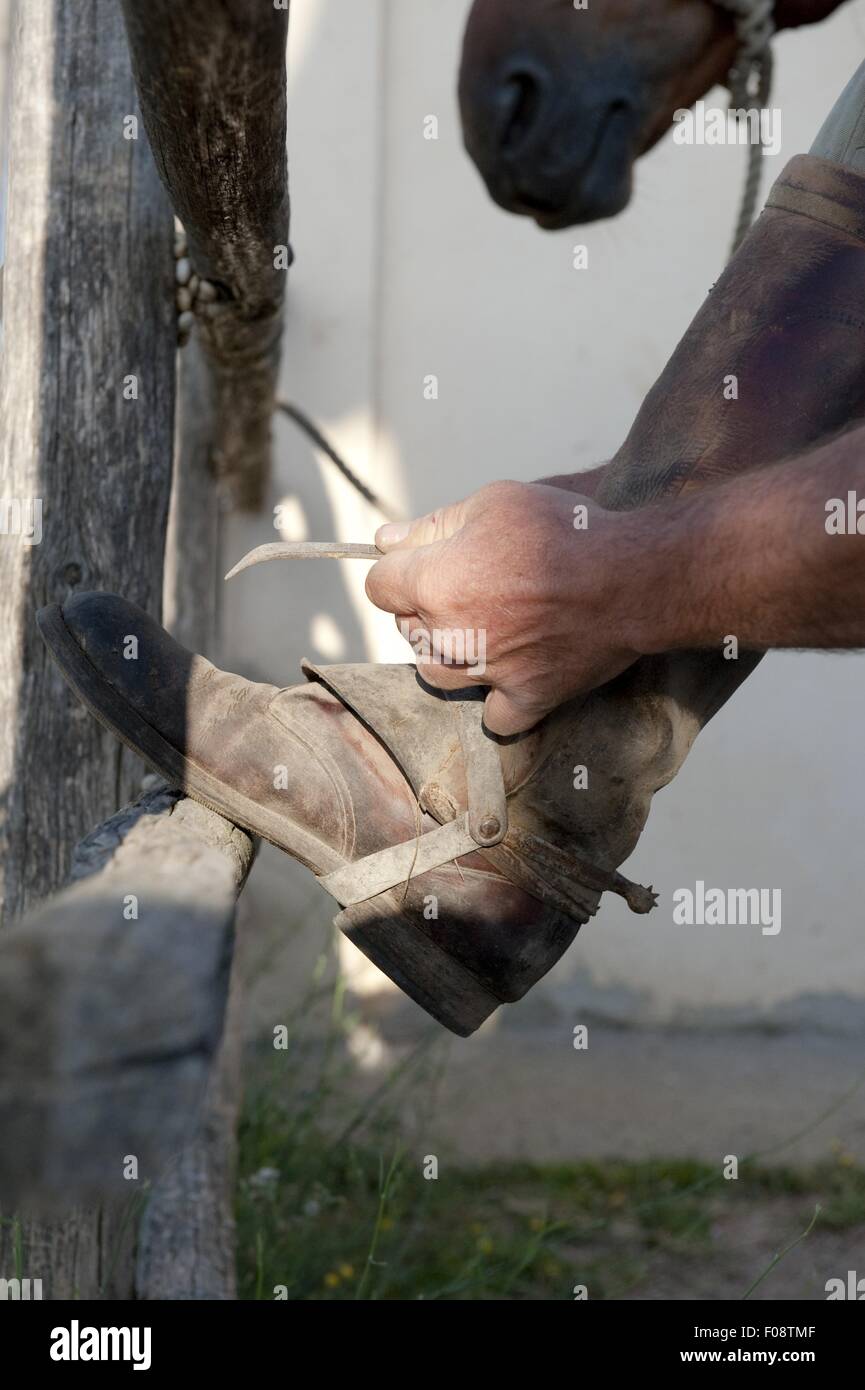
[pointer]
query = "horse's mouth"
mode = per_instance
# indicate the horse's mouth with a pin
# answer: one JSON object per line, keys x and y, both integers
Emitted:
{"x": 597, "y": 185}
{"x": 545, "y": 213}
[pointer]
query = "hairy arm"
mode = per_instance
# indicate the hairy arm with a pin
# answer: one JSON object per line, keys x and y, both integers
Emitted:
{"x": 760, "y": 558}
{"x": 567, "y": 594}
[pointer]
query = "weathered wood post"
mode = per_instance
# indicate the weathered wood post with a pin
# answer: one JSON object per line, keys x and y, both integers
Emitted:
{"x": 211, "y": 80}
{"x": 87, "y": 390}
{"x": 212, "y": 85}
{"x": 87, "y": 401}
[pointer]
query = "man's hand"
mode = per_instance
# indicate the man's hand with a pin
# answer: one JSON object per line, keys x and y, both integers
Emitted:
{"x": 531, "y": 576}
{"x": 774, "y": 558}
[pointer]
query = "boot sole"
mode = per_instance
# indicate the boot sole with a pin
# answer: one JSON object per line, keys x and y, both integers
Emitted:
{"x": 420, "y": 968}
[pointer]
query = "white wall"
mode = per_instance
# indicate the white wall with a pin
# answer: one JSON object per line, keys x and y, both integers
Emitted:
{"x": 404, "y": 268}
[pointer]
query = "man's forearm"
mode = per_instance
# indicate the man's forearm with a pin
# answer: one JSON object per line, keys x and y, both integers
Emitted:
{"x": 755, "y": 559}
{"x": 569, "y": 594}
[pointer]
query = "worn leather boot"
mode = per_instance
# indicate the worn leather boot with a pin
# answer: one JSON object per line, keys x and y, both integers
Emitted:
{"x": 466, "y": 866}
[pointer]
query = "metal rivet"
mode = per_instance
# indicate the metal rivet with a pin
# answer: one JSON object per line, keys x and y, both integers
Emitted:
{"x": 490, "y": 828}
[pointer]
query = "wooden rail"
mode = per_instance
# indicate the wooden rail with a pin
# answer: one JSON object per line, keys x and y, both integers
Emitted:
{"x": 113, "y": 999}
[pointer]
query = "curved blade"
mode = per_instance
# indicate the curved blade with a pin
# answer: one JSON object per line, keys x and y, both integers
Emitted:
{"x": 305, "y": 550}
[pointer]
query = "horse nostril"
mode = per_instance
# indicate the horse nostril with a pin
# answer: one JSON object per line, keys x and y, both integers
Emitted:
{"x": 521, "y": 99}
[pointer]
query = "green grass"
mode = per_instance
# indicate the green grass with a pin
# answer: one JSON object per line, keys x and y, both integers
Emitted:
{"x": 332, "y": 1201}
{"x": 345, "y": 1217}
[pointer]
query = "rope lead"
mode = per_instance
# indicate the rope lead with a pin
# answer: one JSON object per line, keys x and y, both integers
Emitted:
{"x": 750, "y": 84}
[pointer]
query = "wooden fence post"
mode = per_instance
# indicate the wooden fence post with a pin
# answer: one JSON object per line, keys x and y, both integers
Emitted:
{"x": 88, "y": 434}
{"x": 87, "y": 389}
{"x": 211, "y": 80}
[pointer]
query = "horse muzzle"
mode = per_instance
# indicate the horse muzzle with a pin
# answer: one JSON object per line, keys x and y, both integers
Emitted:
{"x": 547, "y": 151}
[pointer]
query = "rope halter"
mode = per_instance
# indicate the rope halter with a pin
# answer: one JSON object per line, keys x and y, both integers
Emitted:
{"x": 750, "y": 84}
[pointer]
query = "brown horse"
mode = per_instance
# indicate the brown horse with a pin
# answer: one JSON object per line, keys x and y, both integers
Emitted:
{"x": 558, "y": 102}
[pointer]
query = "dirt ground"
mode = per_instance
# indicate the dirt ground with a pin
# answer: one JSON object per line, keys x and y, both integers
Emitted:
{"x": 610, "y": 1169}
{"x": 555, "y": 1166}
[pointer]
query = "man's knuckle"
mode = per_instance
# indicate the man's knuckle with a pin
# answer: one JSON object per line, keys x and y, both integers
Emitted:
{"x": 503, "y": 492}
